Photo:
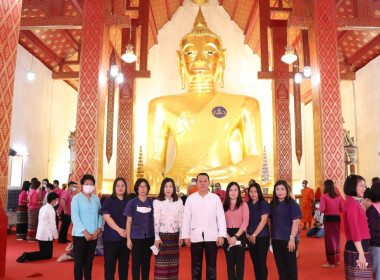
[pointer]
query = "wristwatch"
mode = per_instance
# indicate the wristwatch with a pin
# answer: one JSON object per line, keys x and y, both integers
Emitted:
{"x": 254, "y": 235}
{"x": 237, "y": 236}
{"x": 292, "y": 237}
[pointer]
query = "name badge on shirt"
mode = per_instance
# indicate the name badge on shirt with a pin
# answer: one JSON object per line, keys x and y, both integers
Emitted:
{"x": 143, "y": 209}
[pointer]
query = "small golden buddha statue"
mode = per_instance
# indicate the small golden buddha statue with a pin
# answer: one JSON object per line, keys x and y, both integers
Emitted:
{"x": 203, "y": 130}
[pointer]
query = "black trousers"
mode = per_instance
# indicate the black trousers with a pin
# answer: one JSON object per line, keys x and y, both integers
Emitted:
{"x": 211, "y": 251}
{"x": 235, "y": 256}
{"x": 258, "y": 253}
{"x": 116, "y": 251}
{"x": 45, "y": 252}
{"x": 141, "y": 254}
{"x": 66, "y": 220}
{"x": 286, "y": 261}
{"x": 84, "y": 252}
{"x": 56, "y": 215}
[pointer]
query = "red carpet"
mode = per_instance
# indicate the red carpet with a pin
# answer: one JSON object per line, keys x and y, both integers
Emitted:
{"x": 312, "y": 256}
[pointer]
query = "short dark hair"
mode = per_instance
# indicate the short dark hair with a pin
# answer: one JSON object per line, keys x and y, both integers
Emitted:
{"x": 46, "y": 180}
{"x": 330, "y": 188}
{"x": 258, "y": 189}
{"x": 71, "y": 183}
{"x": 26, "y": 186}
{"x": 161, "y": 195}
{"x": 375, "y": 179}
{"x": 375, "y": 192}
{"x": 138, "y": 182}
{"x": 57, "y": 182}
{"x": 87, "y": 177}
{"x": 51, "y": 196}
{"x": 33, "y": 179}
{"x": 50, "y": 186}
{"x": 350, "y": 184}
{"x": 35, "y": 184}
{"x": 113, "y": 195}
{"x": 367, "y": 194}
{"x": 203, "y": 174}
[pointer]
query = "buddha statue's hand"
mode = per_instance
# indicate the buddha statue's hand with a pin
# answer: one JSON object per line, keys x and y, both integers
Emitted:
{"x": 153, "y": 172}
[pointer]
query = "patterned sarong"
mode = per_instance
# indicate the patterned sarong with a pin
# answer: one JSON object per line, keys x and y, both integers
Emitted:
{"x": 332, "y": 239}
{"x": 166, "y": 263}
{"x": 32, "y": 223}
{"x": 351, "y": 269}
{"x": 22, "y": 222}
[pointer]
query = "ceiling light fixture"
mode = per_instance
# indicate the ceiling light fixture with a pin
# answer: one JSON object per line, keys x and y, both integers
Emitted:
{"x": 129, "y": 56}
{"x": 298, "y": 78}
{"x": 289, "y": 57}
{"x": 307, "y": 71}
{"x": 30, "y": 75}
{"x": 120, "y": 78}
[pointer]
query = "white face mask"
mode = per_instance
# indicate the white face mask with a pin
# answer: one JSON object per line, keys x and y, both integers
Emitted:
{"x": 316, "y": 206}
{"x": 88, "y": 188}
{"x": 44, "y": 185}
{"x": 303, "y": 185}
{"x": 74, "y": 189}
{"x": 193, "y": 183}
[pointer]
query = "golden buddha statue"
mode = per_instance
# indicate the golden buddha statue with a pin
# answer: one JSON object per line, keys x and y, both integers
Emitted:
{"x": 203, "y": 130}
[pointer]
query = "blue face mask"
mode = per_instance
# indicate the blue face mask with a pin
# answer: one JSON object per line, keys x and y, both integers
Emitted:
{"x": 74, "y": 189}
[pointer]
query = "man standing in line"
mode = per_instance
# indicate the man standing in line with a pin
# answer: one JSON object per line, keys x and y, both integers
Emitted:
{"x": 64, "y": 210}
{"x": 306, "y": 204}
{"x": 218, "y": 191}
{"x": 204, "y": 228}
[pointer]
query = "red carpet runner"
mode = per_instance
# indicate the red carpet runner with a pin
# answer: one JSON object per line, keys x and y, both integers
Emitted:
{"x": 312, "y": 256}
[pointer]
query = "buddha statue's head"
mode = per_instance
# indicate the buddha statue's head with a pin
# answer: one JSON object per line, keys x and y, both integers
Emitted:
{"x": 201, "y": 59}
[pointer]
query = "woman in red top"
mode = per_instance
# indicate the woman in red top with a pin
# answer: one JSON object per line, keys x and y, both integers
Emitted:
{"x": 356, "y": 252}
{"x": 237, "y": 219}
{"x": 331, "y": 205}
{"x": 33, "y": 210}
{"x": 22, "y": 212}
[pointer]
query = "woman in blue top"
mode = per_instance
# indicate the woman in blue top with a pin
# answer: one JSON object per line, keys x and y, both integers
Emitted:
{"x": 284, "y": 220}
{"x": 87, "y": 224}
{"x": 258, "y": 231}
{"x": 140, "y": 229}
{"x": 115, "y": 233}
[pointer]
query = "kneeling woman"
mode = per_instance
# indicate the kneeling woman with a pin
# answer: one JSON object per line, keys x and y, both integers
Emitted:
{"x": 284, "y": 220}
{"x": 140, "y": 230}
{"x": 168, "y": 211}
{"x": 237, "y": 219}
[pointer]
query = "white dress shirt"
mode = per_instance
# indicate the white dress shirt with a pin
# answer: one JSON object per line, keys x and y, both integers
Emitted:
{"x": 46, "y": 229}
{"x": 203, "y": 215}
{"x": 167, "y": 216}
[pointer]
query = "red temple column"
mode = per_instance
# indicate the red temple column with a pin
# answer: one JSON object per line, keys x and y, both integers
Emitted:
{"x": 327, "y": 108}
{"x": 92, "y": 92}
{"x": 281, "y": 128}
{"x": 124, "y": 157}
{"x": 10, "y": 14}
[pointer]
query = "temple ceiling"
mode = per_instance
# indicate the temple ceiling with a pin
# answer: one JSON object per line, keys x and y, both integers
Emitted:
{"x": 58, "y": 47}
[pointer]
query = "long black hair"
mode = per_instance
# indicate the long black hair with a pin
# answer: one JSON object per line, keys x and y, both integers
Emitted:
{"x": 258, "y": 189}
{"x": 227, "y": 200}
{"x": 330, "y": 188}
{"x": 274, "y": 202}
{"x": 26, "y": 186}
{"x": 113, "y": 195}
{"x": 161, "y": 195}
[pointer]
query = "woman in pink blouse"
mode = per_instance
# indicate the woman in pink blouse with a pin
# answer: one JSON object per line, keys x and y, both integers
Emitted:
{"x": 237, "y": 219}
{"x": 33, "y": 209}
{"x": 22, "y": 212}
{"x": 168, "y": 211}
{"x": 331, "y": 205}
{"x": 357, "y": 263}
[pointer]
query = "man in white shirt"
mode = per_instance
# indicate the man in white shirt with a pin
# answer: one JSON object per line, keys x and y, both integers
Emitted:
{"x": 204, "y": 227}
{"x": 46, "y": 232}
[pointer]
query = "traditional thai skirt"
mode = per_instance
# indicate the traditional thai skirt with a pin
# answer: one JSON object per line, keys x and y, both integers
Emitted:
{"x": 332, "y": 238}
{"x": 32, "y": 223}
{"x": 351, "y": 255}
{"x": 22, "y": 222}
{"x": 166, "y": 263}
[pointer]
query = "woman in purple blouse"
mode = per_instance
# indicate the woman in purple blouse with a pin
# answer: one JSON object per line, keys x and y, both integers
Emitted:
{"x": 284, "y": 221}
{"x": 115, "y": 233}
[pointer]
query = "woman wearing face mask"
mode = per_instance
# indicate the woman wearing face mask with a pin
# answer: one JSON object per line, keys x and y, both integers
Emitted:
{"x": 140, "y": 229}
{"x": 237, "y": 218}
{"x": 331, "y": 205}
{"x": 284, "y": 221}
{"x": 87, "y": 224}
{"x": 258, "y": 231}
{"x": 357, "y": 263}
{"x": 168, "y": 211}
